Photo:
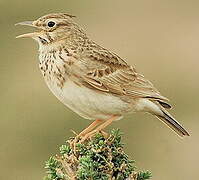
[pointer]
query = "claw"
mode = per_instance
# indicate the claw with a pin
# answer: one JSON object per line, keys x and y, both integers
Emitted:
{"x": 74, "y": 132}
{"x": 105, "y": 134}
{"x": 89, "y": 132}
{"x": 88, "y": 136}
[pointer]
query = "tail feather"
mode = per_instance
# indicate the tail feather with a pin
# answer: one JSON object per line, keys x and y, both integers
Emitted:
{"x": 157, "y": 108}
{"x": 172, "y": 123}
{"x": 164, "y": 104}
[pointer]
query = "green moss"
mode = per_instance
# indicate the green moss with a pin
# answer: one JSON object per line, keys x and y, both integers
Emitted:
{"x": 144, "y": 175}
{"x": 52, "y": 165}
{"x": 65, "y": 149}
{"x": 100, "y": 158}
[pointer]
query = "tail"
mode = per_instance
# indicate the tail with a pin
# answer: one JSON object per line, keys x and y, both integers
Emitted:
{"x": 172, "y": 123}
{"x": 157, "y": 108}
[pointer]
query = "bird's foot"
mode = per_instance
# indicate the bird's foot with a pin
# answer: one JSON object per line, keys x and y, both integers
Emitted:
{"x": 91, "y": 134}
{"x": 80, "y": 139}
{"x": 88, "y": 133}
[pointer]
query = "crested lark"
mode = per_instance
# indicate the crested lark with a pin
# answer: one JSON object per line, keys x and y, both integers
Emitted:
{"x": 92, "y": 81}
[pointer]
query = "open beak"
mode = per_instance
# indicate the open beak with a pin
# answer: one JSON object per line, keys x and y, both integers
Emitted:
{"x": 27, "y": 23}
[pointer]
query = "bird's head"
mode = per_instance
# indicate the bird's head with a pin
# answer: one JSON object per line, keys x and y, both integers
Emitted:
{"x": 52, "y": 28}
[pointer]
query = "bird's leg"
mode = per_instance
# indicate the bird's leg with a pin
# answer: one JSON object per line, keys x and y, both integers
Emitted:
{"x": 87, "y": 130}
{"x": 90, "y": 127}
{"x": 105, "y": 134}
{"x": 99, "y": 128}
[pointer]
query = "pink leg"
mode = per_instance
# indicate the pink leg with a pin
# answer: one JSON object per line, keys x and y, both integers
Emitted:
{"x": 90, "y": 127}
{"x": 99, "y": 128}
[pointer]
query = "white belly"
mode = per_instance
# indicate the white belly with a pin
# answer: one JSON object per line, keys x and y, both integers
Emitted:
{"x": 88, "y": 103}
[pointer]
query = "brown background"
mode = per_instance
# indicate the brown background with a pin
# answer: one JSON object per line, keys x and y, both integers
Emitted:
{"x": 160, "y": 38}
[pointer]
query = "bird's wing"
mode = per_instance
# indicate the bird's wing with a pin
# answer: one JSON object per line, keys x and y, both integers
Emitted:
{"x": 105, "y": 71}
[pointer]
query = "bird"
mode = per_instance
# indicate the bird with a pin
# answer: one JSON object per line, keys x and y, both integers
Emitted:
{"x": 90, "y": 80}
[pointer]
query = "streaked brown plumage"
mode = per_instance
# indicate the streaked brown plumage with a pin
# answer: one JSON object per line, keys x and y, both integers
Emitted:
{"x": 91, "y": 80}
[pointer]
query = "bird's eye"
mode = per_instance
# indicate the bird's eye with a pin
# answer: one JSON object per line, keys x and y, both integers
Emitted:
{"x": 51, "y": 24}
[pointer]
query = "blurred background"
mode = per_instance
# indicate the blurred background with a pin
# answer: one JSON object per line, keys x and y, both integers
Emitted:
{"x": 160, "y": 38}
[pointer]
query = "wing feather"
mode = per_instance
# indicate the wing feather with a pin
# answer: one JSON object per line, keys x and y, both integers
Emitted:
{"x": 106, "y": 72}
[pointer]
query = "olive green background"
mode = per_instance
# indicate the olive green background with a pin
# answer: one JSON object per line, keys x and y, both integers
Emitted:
{"x": 160, "y": 38}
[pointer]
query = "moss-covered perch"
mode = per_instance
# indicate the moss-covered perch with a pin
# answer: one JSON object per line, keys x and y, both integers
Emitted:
{"x": 101, "y": 158}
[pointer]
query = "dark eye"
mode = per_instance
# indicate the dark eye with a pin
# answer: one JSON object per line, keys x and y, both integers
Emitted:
{"x": 51, "y": 24}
